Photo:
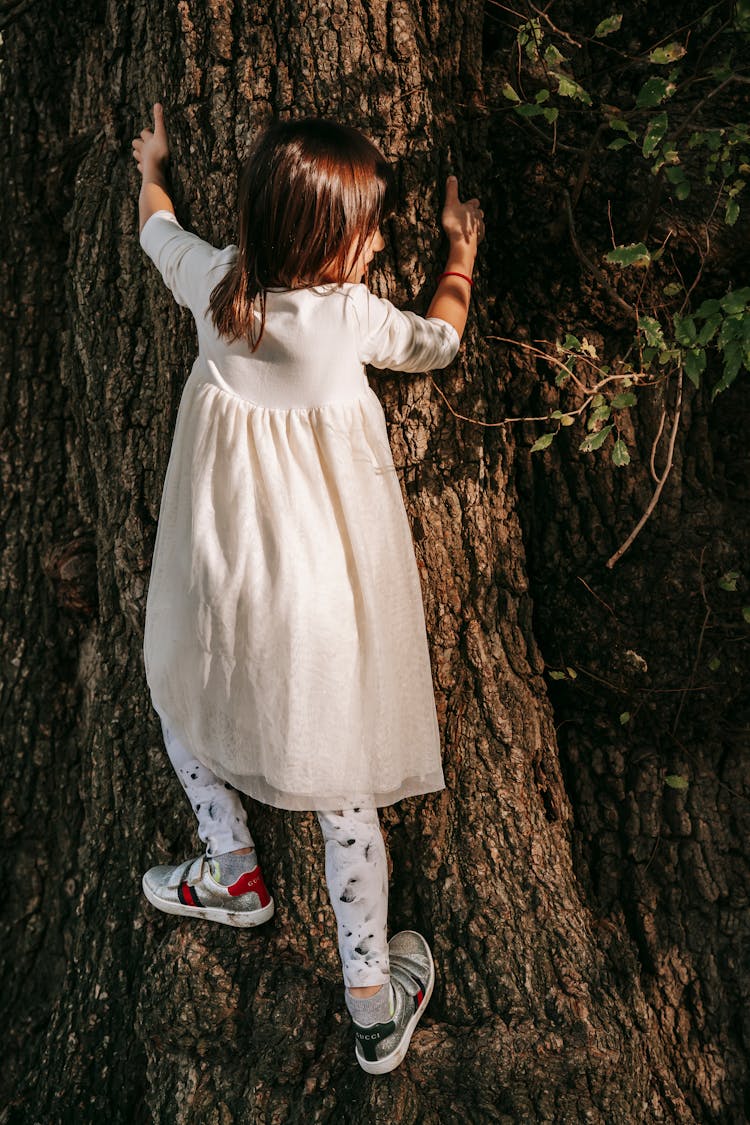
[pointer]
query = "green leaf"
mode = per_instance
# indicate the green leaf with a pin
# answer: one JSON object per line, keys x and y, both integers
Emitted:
{"x": 618, "y": 143}
{"x": 557, "y": 676}
{"x": 708, "y": 308}
{"x": 676, "y": 781}
{"x": 653, "y": 91}
{"x": 621, "y": 126}
{"x": 735, "y": 301}
{"x": 567, "y": 420}
{"x": 695, "y": 365}
{"x": 731, "y": 213}
{"x": 672, "y": 289}
{"x": 551, "y": 113}
{"x": 529, "y": 37}
{"x": 606, "y": 27}
{"x": 624, "y": 717}
{"x": 620, "y": 455}
{"x": 655, "y": 133}
{"x": 595, "y": 441}
{"x": 626, "y": 398}
{"x": 746, "y": 613}
{"x": 714, "y": 663}
{"x": 730, "y": 330}
{"x": 652, "y": 331}
{"x": 552, "y": 56}
{"x": 509, "y": 93}
{"x": 568, "y": 88}
{"x": 732, "y": 364}
{"x": 599, "y": 414}
{"x": 675, "y": 173}
{"x": 636, "y": 254}
{"x": 728, "y": 581}
{"x": 541, "y": 95}
{"x": 684, "y": 330}
{"x": 528, "y": 109}
{"x": 542, "y": 443}
{"x": 709, "y": 329}
{"x": 662, "y": 56}
{"x": 571, "y": 343}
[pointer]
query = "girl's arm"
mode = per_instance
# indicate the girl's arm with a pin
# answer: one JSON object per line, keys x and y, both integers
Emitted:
{"x": 185, "y": 261}
{"x": 151, "y": 153}
{"x": 154, "y": 196}
{"x": 464, "y": 225}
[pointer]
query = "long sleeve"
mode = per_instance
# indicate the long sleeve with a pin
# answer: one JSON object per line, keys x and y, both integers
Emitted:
{"x": 399, "y": 339}
{"x": 183, "y": 259}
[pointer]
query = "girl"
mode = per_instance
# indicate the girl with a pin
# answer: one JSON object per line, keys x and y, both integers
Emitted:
{"x": 284, "y": 646}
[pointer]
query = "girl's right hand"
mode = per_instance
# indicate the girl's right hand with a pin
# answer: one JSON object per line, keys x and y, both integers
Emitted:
{"x": 462, "y": 222}
{"x": 151, "y": 149}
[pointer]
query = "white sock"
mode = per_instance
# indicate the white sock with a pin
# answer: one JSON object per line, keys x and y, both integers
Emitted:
{"x": 227, "y": 867}
{"x": 369, "y": 1010}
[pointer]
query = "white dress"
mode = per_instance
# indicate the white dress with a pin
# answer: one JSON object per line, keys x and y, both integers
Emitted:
{"x": 284, "y": 633}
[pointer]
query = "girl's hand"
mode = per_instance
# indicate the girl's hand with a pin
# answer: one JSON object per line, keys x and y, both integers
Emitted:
{"x": 462, "y": 222}
{"x": 150, "y": 150}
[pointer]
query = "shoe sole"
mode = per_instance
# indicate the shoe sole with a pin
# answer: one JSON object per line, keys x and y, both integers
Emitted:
{"x": 396, "y": 1057}
{"x": 243, "y": 919}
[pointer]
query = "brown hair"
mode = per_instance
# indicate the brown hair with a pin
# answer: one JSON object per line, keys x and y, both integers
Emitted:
{"x": 308, "y": 191}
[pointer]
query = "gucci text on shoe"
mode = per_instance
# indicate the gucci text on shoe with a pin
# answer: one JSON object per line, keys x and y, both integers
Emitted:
{"x": 369, "y": 1037}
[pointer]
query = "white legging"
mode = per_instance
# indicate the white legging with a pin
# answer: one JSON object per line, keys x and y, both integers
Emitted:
{"x": 355, "y": 861}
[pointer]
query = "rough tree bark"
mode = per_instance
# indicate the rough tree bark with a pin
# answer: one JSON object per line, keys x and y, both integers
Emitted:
{"x": 587, "y": 923}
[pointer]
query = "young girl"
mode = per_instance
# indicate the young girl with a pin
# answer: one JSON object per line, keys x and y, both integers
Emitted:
{"x": 285, "y": 646}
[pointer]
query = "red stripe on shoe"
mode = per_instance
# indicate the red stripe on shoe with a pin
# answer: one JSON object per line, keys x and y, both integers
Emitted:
{"x": 251, "y": 881}
{"x": 187, "y": 895}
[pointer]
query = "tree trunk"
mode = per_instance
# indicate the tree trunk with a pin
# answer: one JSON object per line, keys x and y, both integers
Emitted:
{"x": 587, "y": 922}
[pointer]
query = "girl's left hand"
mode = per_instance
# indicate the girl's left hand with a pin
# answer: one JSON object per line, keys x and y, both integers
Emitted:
{"x": 150, "y": 150}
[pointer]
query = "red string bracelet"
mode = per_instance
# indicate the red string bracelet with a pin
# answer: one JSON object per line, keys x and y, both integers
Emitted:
{"x": 455, "y": 273}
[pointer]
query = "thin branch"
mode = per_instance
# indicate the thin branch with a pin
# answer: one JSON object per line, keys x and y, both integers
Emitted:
{"x": 595, "y": 595}
{"x": 558, "y": 31}
{"x": 654, "y": 444}
{"x": 657, "y": 493}
{"x": 585, "y": 359}
{"x": 528, "y": 125}
{"x": 699, "y": 105}
{"x": 544, "y": 355}
{"x": 480, "y": 421}
{"x": 593, "y": 269}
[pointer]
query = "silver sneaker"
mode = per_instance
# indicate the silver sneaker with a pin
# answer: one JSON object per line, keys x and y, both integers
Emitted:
{"x": 382, "y": 1046}
{"x": 190, "y": 889}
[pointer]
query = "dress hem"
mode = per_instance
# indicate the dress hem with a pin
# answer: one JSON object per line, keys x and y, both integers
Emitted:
{"x": 260, "y": 789}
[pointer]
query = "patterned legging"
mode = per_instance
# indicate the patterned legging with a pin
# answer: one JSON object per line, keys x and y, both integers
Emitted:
{"x": 355, "y": 861}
